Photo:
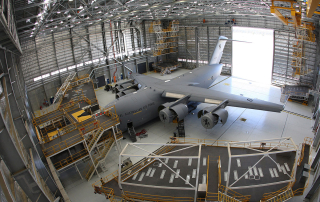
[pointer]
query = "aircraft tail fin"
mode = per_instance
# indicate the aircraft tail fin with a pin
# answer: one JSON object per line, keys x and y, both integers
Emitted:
{"x": 218, "y": 51}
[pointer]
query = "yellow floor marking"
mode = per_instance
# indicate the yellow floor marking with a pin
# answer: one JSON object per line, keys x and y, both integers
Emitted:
{"x": 296, "y": 114}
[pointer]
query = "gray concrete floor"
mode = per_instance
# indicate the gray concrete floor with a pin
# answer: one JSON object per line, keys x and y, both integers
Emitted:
{"x": 258, "y": 125}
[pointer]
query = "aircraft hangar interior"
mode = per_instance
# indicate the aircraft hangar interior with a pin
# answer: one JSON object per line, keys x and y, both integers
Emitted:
{"x": 159, "y": 100}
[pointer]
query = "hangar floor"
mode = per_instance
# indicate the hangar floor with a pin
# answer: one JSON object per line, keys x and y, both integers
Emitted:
{"x": 242, "y": 124}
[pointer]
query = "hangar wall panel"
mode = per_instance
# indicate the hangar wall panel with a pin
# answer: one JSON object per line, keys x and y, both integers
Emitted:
{"x": 49, "y": 58}
{"x": 221, "y": 25}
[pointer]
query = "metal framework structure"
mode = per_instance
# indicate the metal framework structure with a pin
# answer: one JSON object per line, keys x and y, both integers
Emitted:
{"x": 152, "y": 156}
{"x": 273, "y": 146}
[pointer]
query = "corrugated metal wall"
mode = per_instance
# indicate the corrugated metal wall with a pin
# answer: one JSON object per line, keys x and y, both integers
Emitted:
{"x": 209, "y": 31}
{"x": 54, "y": 55}
{"x": 49, "y": 58}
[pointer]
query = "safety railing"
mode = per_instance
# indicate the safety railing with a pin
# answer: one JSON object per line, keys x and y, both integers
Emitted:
{"x": 284, "y": 196}
{"x": 108, "y": 192}
{"x": 106, "y": 179}
{"x": 69, "y": 118}
{"x": 71, "y": 159}
{"x": 208, "y": 142}
{"x": 207, "y": 176}
{"x": 60, "y": 108}
{"x": 94, "y": 138}
{"x": 212, "y": 196}
{"x": 223, "y": 143}
{"x": 269, "y": 195}
{"x": 107, "y": 147}
{"x": 67, "y": 129}
{"x": 144, "y": 163}
{"x": 104, "y": 152}
{"x": 149, "y": 197}
{"x": 46, "y": 110}
{"x": 233, "y": 194}
{"x": 56, "y": 114}
{"x": 90, "y": 168}
{"x": 109, "y": 123}
{"x": 80, "y": 80}
{"x": 300, "y": 191}
{"x": 62, "y": 145}
{"x": 219, "y": 171}
{"x": 306, "y": 141}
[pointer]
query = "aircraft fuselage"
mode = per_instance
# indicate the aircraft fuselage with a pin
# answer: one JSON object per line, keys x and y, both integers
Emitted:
{"x": 142, "y": 106}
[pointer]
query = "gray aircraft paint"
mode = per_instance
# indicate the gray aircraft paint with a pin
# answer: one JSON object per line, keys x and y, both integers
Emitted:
{"x": 142, "y": 106}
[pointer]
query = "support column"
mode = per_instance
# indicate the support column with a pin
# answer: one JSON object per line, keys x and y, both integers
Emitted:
{"x": 90, "y": 48}
{"x": 106, "y": 52}
{"x": 145, "y": 44}
{"x": 72, "y": 49}
{"x": 208, "y": 42}
{"x": 186, "y": 44}
{"x": 55, "y": 56}
{"x": 133, "y": 46}
{"x": 197, "y": 45}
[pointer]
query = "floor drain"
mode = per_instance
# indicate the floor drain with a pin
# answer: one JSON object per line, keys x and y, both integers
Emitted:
{"x": 243, "y": 119}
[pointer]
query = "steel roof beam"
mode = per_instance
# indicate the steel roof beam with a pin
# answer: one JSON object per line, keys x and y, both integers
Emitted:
{"x": 312, "y": 6}
{"x": 277, "y": 14}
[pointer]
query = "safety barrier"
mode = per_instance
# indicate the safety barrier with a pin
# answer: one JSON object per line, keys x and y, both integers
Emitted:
{"x": 143, "y": 163}
{"x": 149, "y": 197}
{"x": 267, "y": 196}
{"x": 106, "y": 179}
{"x": 223, "y": 143}
{"x": 284, "y": 196}
{"x": 94, "y": 139}
{"x": 104, "y": 152}
{"x": 233, "y": 194}
{"x": 300, "y": 191}
{"x": 108, "y": 192}
{"x": 212, "y": 196}
{"x": 62, "y": 145}
{"x": 71, "y": 159}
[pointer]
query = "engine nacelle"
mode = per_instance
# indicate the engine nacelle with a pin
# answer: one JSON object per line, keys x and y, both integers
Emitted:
{"x": 210, "y": 119}
{"x": 168, "y": 114}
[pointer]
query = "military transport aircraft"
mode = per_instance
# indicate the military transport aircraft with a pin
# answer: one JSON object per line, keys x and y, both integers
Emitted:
{"x": 144, "y": 98}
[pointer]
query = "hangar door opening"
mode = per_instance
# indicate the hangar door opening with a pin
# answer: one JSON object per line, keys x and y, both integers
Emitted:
{"x": 253, "y": 61}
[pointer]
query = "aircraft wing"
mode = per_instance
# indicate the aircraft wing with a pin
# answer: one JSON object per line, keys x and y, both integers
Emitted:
{"x": 144, "y": 80}
{"x": 216, "y": 97}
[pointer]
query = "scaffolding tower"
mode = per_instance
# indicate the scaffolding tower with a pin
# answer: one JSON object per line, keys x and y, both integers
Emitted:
{"x": 166, "y": 38}
{"x": 303, "y": 33}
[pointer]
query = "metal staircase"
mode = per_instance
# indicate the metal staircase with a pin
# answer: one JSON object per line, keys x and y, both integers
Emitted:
{"x": 103, "y": 154}
{"x": 132, "y": 134}
{"x": 94, "y": 139}
{"x": 225, "y": 198}
{"x": 284, "y": 196}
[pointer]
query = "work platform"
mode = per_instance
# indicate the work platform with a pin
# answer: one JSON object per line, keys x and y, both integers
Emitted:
{"x": 198, "y": 170}
{"x": 77, "y": 129}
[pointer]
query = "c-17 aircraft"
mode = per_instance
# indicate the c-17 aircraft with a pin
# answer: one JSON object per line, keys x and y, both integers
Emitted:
{"x": 144, "y": 98}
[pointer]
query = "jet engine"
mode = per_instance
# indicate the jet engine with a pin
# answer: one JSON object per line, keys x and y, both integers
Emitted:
{"x": 210, "y": 116}
{"x": 168, "y": 113}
